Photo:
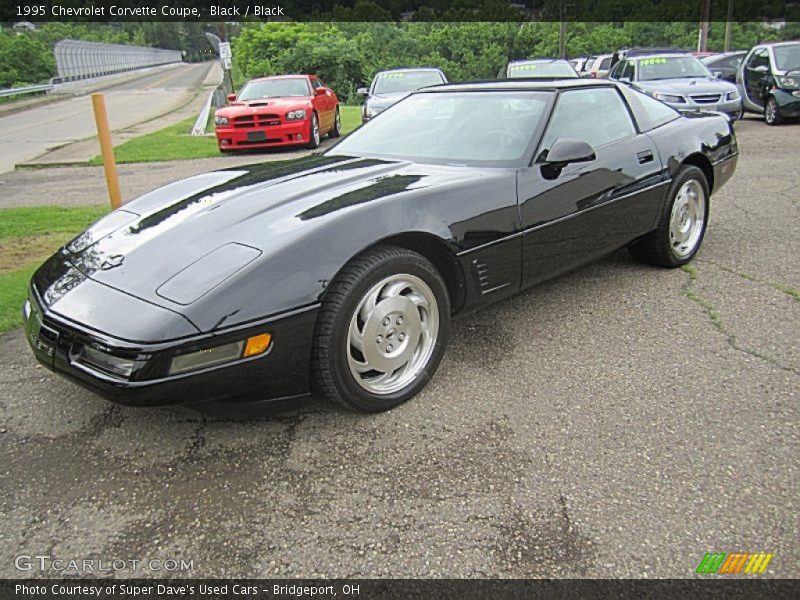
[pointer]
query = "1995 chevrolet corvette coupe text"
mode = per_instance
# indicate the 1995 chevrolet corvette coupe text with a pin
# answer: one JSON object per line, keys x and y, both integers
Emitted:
{"x": 338, "y": 274}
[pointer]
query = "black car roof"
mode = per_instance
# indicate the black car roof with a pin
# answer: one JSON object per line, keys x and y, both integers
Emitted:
{"x": 634, "y": 52}
{"x": 538, "y": 60}
{"x": 508, "y": 85}
{"x": 409, "y": 69}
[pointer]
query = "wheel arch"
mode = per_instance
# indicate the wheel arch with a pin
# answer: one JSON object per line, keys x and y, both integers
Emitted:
{"x": 436, "y": 250}
{"x": 702, "y": 162}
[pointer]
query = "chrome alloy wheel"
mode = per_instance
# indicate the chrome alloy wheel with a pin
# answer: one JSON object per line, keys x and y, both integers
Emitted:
{"x": 771, "y": 111}
{"x": 392, "y": 334}
{"x": 687, "y": 219}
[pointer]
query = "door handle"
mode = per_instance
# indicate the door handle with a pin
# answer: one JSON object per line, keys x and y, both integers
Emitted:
{"x": 645, "y": 156}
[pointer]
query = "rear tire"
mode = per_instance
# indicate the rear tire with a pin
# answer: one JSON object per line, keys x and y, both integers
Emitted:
{"x": 382, "y": 330}
{"x": 682, "y": 225}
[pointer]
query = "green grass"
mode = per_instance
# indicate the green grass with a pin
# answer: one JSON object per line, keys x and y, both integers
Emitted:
{"x": 27, "y": 237}
{"x": 31, "y": 221}
{"x": 171, "y": 143}
{"x": 13, "y": 287}
{"x": 176, "y": 143}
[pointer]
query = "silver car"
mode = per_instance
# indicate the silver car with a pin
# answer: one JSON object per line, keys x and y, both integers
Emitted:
{"x": 681, "y": 81}
{"x": 389, "y": 87}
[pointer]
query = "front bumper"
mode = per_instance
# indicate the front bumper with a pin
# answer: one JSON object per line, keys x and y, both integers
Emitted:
{"x": 731, "y": 108}
{"x": 788, "y": 102}
{"x": 279, "y": 375}
{"x": 286, "y": 134}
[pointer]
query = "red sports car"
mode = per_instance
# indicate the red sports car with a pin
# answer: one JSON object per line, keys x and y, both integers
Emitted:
{"x": 278, "y": 111}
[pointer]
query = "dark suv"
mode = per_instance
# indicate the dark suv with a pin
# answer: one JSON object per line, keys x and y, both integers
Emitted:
{"x": 769, "y": 78}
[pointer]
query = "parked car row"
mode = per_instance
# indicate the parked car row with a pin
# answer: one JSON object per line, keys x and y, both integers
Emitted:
{"x": 764, "y": 80}
{"x": 292, "y": 110}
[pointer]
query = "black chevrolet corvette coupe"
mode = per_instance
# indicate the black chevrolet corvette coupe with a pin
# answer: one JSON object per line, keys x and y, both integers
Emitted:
{"x": 338, "y": 274}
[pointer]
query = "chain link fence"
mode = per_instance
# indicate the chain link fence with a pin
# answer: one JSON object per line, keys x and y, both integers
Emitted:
{"x": 82, "y": 60}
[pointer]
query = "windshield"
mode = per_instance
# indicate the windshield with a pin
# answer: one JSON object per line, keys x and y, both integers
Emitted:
{"x": 787, "y": 58}
{"x": 405, "y": 81}
{"x": 482, "y": 128}
{"x": 540, "y": 69}
{"x": 274, "y": 88}
{"x": 671, "y": 67}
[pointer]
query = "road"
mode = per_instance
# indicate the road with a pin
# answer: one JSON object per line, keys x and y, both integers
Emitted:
{"x": 30, "y": 133}
{"x": 619, "y": 421}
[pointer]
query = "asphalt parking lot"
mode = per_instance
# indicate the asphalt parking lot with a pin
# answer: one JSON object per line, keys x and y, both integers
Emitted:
{"x": 619, "y": 421}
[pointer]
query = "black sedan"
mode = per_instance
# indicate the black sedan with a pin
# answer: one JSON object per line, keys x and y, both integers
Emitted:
{"x": 338, "y": 274}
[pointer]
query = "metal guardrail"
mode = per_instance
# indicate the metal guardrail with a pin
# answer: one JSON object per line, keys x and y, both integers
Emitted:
{"x": 31, "y": 89}
{"x": 77, "y": 60}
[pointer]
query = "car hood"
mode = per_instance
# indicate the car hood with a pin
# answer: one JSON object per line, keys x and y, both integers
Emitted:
{"x": 264, "y": 105}
{"x": 686, "y": 86}
{"x": 174, "y": 245}
{"x": 384, "y": 101}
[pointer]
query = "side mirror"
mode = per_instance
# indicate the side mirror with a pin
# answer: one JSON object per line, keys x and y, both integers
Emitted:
{"x": 320, "y": 91}
{"x": 568, "y": 150}
{"x": 362, "y": 91}
{"x": 563, "y": 152}
{"x": 231, "y": 97}
{"x": 717, "y": 75}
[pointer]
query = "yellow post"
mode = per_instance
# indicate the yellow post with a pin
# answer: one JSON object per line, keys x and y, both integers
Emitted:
{"x": 106, "y": 149}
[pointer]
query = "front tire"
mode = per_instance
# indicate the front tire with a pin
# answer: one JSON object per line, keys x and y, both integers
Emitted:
{"x": 313, "y": 132}
{"x": 336, "y": 130}
{"x": 382, "y": 330}
{"x": 683, "y": 222}
{"x": 772, "y": 112}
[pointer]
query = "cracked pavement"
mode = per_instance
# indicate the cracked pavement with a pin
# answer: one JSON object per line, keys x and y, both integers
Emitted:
{"x": 619, "y": 421}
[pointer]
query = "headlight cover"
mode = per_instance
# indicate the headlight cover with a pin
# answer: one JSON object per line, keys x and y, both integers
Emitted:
{"x": 208, "y": 357}
{"x": 217, "y": 355}
{"x": 791, "y": 83}
{"x": 220, "y": 121}
{"x": 296, "y": 115}
{"x": 97, "y": 359}
{"x": 734, "y": 95}
{"x": 670, "y": 98}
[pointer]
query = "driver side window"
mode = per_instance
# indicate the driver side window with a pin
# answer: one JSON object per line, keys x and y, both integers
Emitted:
{"x": 760, "y": 58}
{"x": 597, "y": 116}
{"x": 627, "y": 71}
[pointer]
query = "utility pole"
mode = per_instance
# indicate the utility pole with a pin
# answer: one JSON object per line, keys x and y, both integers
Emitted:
{"x": 705, "y": 15}
{"x": 728, "y": 26}
{"x": 562, "y": 29}
{"x": 226, "y": 69}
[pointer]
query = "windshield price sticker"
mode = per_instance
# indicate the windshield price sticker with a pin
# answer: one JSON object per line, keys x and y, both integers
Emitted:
{"x": 653, "y": 61}
{"x": 523, "y": 67}
{"x": 392, "y": 75}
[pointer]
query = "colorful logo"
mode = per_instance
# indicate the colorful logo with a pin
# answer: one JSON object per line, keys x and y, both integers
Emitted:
{"x": 723, "y": 563}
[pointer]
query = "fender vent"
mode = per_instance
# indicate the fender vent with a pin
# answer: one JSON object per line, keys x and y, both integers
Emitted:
{"x": 482, "y": 273}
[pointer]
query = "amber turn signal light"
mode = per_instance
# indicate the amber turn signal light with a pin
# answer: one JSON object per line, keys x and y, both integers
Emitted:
{"x": 257, "y": 344}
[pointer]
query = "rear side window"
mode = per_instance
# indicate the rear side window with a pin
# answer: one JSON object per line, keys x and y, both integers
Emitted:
{"x": 605, "y": 63}
{"x": 609, "y": 118}
{"x": 649, "y": 112}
